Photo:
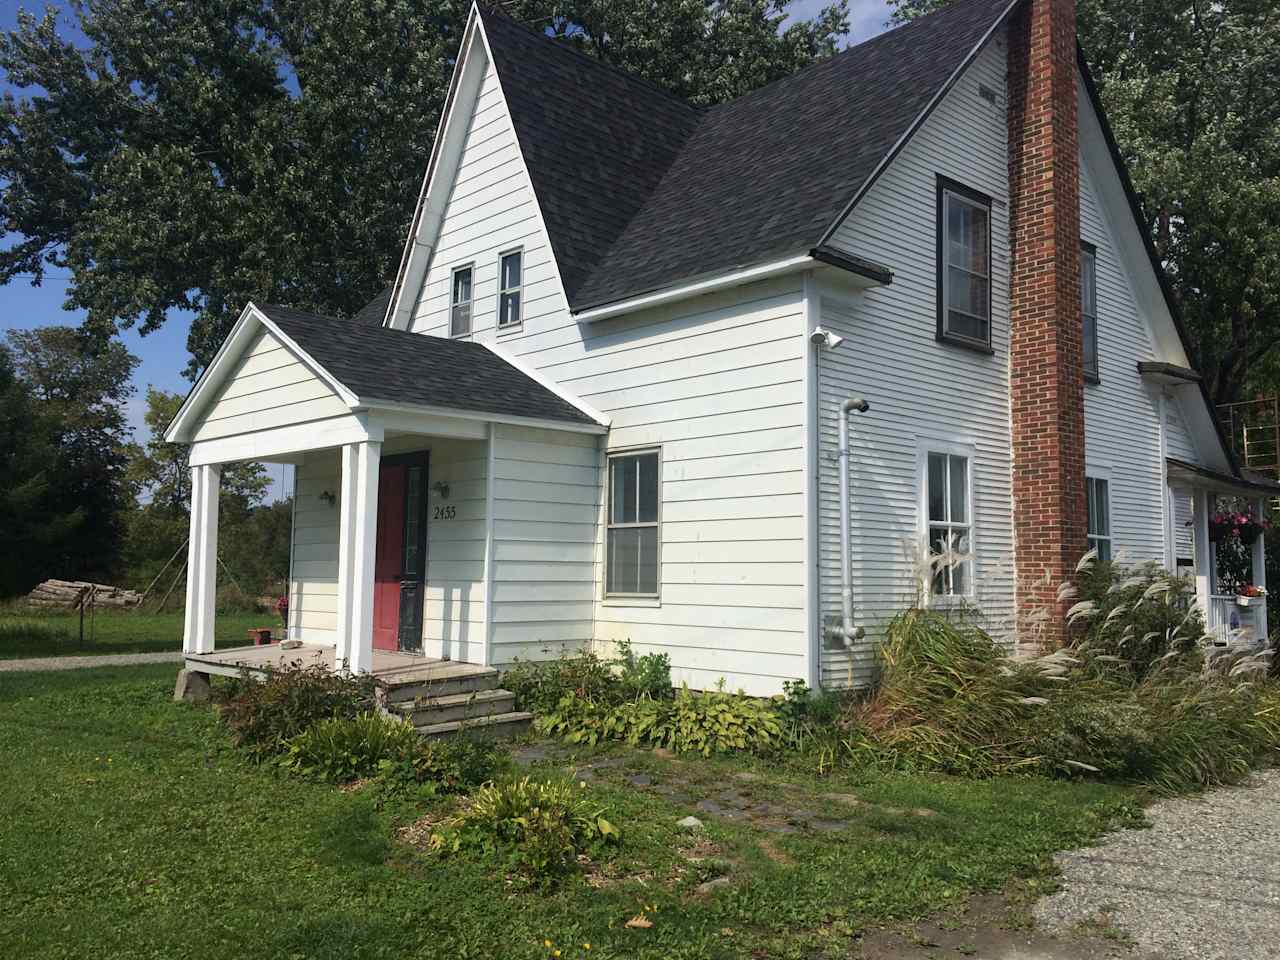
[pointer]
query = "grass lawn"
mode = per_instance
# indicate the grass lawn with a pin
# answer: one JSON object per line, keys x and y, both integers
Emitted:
{"x": 133, "y": 829}
{"x": 46, "y": 634}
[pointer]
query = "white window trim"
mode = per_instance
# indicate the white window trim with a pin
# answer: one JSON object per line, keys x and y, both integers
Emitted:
{"x": 955, "y": 448}
{"x": 634, "y": 599}
{"x": 1103, "y": 474}
{"x": 471, "y": 316}
{"x": 497, "y": 320}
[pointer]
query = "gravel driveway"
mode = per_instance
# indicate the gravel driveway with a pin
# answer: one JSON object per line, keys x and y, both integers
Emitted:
{"x": 1202, "y": 884}
{"x": 82, "y": 663}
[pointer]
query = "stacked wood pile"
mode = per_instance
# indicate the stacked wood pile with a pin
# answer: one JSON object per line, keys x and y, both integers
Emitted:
{"x": 69, "y": 594}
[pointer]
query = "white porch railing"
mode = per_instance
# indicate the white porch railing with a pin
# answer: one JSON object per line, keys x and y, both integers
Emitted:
{"x": 1229, "y": 623}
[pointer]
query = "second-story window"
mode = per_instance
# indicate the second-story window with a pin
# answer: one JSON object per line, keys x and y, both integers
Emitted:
{"x": 1089, "y": 298}
{"x": 510, "y": 288}
{"x": 460, "y": 302}
{"x": 964, "y": 265}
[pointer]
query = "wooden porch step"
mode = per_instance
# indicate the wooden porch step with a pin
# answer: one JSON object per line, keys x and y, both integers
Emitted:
{"x": 456, "y": 706}
{"x": 433, "y": 684}
{"x": 500, "y": 725}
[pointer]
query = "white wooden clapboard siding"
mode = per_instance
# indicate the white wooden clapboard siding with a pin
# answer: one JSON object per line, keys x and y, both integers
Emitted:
{"x": 916, "y": 386}
{"x": 313, "y": 593}
{"x": 716, "y": 383}
{"x": 1122, "y": 413}
{"x": 453, "y": 607}
{"x": 546, "y": 504}
{"x": 490, "y": 210}
{"x": 270, "y": 388}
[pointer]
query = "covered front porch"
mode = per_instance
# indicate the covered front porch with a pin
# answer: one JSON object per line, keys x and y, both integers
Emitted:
{"x": 406, "y": 452}
{"x": 1226, "y": 558}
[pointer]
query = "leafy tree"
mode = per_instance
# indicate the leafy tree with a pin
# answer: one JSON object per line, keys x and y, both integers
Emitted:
{"x": 706, "y": 52}
{"x": 201, "y": 153}
{"x": 1190, "y": 89}
{"x": 78, "y": 386}
{"x": 32, "y": 525}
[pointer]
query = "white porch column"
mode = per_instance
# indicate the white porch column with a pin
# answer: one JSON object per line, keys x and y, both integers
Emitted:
{"x": 357, "y": 538}
{"x": 1260, "y": 567}
{"x": 202, "y": 559}
{"x": 1203, "y": 553}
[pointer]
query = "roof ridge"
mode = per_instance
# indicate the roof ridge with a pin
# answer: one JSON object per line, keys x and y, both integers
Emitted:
{"x": 556, "y": 42}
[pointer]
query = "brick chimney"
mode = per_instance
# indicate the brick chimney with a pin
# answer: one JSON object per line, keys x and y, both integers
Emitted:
{"x": 1046, "y": 338}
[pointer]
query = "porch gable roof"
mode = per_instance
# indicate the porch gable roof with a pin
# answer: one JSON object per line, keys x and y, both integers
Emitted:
{"x": 371, "y": 366}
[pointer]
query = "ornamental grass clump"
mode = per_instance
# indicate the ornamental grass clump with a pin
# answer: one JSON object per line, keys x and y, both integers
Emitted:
{"x": 342, "y": 749}
{"x": 1136, "y": 700}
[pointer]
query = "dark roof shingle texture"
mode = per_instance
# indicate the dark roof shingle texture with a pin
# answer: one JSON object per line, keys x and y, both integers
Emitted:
{"x": 377, "y": 363}
{"x": 641, "y": 191}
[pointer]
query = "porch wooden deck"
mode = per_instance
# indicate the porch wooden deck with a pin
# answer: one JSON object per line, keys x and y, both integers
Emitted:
{"x": 390, "y": 667}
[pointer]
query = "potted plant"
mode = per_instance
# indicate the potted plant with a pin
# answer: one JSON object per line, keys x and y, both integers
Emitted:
{"x": 1250, "y": 595}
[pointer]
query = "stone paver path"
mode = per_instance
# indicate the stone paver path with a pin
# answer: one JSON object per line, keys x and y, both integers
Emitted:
{"x": 83, "y": 663}
{"x": 1203, "y": 883}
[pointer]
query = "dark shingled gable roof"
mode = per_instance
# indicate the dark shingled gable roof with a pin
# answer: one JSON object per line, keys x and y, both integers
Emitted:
{"x": 378, "y": 363}
{"x": 641, "y": 191}
{"x": 375, "y": 311}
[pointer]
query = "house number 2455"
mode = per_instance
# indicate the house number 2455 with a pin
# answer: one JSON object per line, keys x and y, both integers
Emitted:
{"x": 445, "y": 512}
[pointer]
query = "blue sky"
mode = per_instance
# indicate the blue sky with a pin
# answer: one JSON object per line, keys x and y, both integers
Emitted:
{"x": 163, "y": 354}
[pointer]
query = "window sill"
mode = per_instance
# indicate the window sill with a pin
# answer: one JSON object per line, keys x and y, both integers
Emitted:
{"x": 952, "y": 341}
{"x": 1092, "y": 379}
{"x": 510, "y": 329}
{"x": 650, "y": 602}
{"x": 951, "y": 602}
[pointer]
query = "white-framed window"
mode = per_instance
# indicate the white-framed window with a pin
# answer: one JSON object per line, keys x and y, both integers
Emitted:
{"x": 1089, "y": 305}
{"x": 947, "y": 514}
{"x": 460, "y": 296}
{"x": 964, "y": 265}
{"x": 633, "y": 536}
{"x": 1098, "y": 491}
{"x": 510, "y": 288}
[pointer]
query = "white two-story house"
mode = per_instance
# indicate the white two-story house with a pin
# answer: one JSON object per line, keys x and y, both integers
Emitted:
{"x": 603, "y": 398}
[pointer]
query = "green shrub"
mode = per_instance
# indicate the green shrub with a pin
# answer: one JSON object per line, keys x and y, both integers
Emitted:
{"x": 705, "y": 722}
{"x": 645, "y": 676}
{"x": 537, "y": 828}
{"x": 540, "y": 685}
{"x": 341, "y": 749}
{"x": 263, "y": 714}
{"x": 1138, "y": 615}
{"x": 441, "y": 766}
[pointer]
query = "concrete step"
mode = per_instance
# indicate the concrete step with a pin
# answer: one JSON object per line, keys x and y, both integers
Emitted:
{"x": 457, "y": 706}
{"x": 419, "y": 688}
{"x": 498, "y": 726}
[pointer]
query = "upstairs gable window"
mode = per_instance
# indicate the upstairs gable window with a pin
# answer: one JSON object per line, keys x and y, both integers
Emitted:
{"x": 964, "y": 265}
{"x": 1089, "y": 303}
{"x": 510, "y": 288}
{"x": 460, "y": 302}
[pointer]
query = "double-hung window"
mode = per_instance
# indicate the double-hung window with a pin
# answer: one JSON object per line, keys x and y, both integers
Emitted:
{"x": 1089, "y": 303}
{"x": 631, "y": 562}
{"x": 460, "y": 294}
{"x": 964, "y": 265}
{"x": 949, "y": 524}
{"x": 1099, "y": 516}
{"x": 510, "y": 288}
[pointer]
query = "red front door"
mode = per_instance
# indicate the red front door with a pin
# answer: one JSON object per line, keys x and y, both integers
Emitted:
{"x": 389, "y": 562}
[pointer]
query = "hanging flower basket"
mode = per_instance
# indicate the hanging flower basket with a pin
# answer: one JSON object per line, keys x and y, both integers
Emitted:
{"x": 1236, "y": 526}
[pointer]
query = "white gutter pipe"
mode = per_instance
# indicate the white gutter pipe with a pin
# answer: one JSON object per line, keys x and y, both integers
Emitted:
{"x": 846, "y": 632}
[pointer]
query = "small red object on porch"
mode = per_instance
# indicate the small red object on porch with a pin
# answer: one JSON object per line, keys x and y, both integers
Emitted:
{"x": 260, "y": 635}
